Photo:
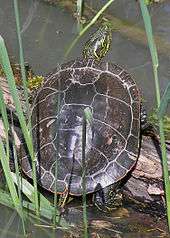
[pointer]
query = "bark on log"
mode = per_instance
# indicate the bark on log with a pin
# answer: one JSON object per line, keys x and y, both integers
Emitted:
{"x": 145, "y": 187}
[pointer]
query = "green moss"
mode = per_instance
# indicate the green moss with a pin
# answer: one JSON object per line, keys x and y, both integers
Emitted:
{"x": 148, "y": 2}
{"x": 35, "y": 82}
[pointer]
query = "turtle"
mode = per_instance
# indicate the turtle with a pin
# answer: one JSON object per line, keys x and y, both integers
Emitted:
{"x": 112, "y": 97}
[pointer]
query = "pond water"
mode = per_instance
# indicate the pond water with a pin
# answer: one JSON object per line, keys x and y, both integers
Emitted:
{"x": 121, "y": 223}
{"x": 47, "y": 31}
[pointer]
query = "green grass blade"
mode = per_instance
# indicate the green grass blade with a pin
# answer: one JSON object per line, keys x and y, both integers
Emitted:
{"x": 152, "y": 47}
{"x": 80, "y": 7}
{"x": 5, "y": 121}
{"x": 88, "y": 115}
{"x": 28, "y": 190}
{"x": 24, "y": 81}
{"x": 164, "y": 102}
{"x": 7, "y": 172}
{"x": 149, "y": 32}
{"x": 92, "y": 22}
{"x": 46, "y": 208}
{"x": 13, "y": 90}
{"x": 4, "y": 112}
{"x": 57, "y": 154}
{"x": 154, "y": 56}
{"x": 19, "y": 188}
{"x": 46, "y": 212}
{"x": 85, "y": 219}
{"x": 21, "y": 55}
{"x": 17, "y": 176}
{"x": 79, "y": 14}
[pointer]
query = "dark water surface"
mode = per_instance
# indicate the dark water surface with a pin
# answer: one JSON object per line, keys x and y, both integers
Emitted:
{"x": 47, "y": 31}
{"x": 121, "y": 223}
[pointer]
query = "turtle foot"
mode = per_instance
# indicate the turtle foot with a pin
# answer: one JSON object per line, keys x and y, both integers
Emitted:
{"x": 107, "y": 199}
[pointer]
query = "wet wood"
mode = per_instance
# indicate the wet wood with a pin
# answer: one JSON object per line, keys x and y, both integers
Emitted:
{"x": 145, "y": 186}
{"x": 126, "y": 28}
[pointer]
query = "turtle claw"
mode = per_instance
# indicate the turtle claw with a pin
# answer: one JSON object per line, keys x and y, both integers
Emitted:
{"x": 62, "y": 200}
{"x": 149, "y": 130}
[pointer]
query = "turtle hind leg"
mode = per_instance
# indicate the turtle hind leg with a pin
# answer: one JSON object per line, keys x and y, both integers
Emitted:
{"x": 108, "y": 198}
{"x": 147, "y": 128}
{"x": 63, "y": 199}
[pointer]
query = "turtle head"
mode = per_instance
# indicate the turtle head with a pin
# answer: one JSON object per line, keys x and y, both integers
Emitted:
{"x": 98, "y": 44}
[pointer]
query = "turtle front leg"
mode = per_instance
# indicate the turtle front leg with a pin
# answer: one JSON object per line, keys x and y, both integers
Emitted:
{"x": 108, "y": 198}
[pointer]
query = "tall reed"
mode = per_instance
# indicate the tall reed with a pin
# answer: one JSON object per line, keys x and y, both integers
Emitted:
{"x": 5, "y": 151}
{"x": 79, "y": 14}
{"x": 7, "y": 172}
{"x": 31, "y": 150}
{"x": 85, "y": 219}
{"x": 57, "y": 153}
{"x": 13, "y": 90}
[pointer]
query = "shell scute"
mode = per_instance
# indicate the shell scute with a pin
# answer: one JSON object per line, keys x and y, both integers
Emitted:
{"x": 43, "y": 156}
{"x": 126, "y": 163}
{"x": 114, "y": 68}
{"x": 116, "y": 171}
{"x": 95, "y": 162}
{"x": 127, "y": 78}
{"x": 113, "y": 113}
{"x": 107, "y": 82}
{"x": 134, "y": 93}
{"x": 86, "y": 76}
{"x": 59, "y": 80}
{"x": 61, "y": 187}
{"x": 75, "y": 184}
{"x": 45, "y": 130}
{"x": 133, "y": 145}
{"x": 39, "y": 110}
{"x": 46, "y": 180}
{"x": 102, "y": 180}
{"x": 85, "y": 95}
{"x": 108, "y": 141}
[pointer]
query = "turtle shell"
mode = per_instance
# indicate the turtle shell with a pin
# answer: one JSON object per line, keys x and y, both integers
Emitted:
{"x": 112, "y": 143}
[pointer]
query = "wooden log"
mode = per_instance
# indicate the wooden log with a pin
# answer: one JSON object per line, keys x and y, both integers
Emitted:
{"x": 145, "y": 187}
